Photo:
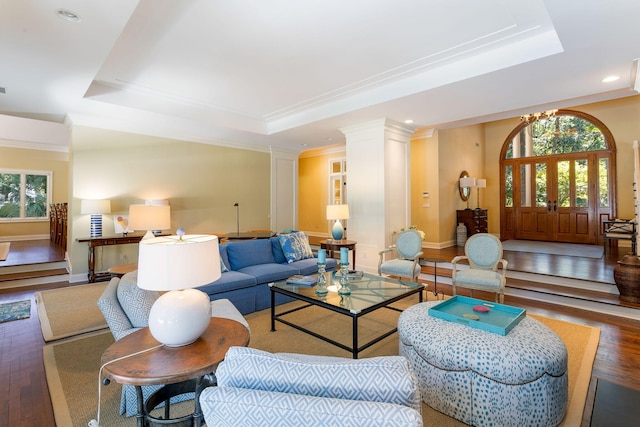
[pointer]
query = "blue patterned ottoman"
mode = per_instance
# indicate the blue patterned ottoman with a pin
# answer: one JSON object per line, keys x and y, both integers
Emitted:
{"x": 486, "y": 379}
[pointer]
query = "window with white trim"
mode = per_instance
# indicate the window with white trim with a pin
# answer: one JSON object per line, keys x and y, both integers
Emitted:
{"x": 25, "y": 195}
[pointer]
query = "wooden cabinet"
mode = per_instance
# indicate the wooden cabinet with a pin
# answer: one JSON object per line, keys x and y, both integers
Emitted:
{"x": 474, "y": 219}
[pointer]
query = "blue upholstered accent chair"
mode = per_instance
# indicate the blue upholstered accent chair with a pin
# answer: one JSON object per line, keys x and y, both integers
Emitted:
{"x": 483, "y": 251}
{"x": 409, "y": 247}
{"x": 126, "y": 308}
{"x": 257, "y": 388}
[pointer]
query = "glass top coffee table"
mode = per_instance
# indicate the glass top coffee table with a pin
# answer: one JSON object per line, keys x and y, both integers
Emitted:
{"x": 368, "y": 294}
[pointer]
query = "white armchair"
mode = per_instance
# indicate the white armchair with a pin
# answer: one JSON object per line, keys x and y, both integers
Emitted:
{"x": 483, "y": 251}
{"x": 409, "y": 247}
{"x": 257, "y": 388}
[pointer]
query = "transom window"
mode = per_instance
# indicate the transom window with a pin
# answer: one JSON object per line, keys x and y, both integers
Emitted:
{"x": 559, "y": 134}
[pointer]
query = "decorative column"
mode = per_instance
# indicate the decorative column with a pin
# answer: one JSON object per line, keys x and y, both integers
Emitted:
{"x": 378, "y": 185}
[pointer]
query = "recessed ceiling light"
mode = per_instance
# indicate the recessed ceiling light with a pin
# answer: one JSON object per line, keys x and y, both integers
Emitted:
{"x": 67, "y": 15}
{"x": 610, "y": 79}
{"x": 408, "y": 121}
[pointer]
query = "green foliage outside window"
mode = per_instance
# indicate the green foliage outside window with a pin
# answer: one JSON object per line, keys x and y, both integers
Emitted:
{"x": 558, "y": 135}
{"x": 24, "y": 195}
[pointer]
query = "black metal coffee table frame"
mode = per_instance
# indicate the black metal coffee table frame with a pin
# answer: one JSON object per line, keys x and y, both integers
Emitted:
{"x": 312, "y": 300}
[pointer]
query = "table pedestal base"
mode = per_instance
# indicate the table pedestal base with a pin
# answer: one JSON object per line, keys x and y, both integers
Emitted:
{"x": 165, "y": 394}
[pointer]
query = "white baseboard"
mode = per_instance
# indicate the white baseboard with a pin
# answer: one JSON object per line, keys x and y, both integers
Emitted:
{"x": 24, "y": 237}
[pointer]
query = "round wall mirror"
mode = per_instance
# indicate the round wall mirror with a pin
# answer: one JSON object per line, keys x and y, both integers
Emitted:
{"x": 464, "y": 191}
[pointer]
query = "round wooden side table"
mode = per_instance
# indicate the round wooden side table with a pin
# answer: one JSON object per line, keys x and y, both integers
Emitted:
{"x": 138, "y": 360}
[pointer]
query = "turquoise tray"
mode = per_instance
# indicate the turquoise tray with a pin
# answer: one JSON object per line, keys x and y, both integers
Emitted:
{"x": 500, "y": 318}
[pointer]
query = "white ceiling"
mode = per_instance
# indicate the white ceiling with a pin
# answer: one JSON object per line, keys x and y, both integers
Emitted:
{"x": 285, "y": 73}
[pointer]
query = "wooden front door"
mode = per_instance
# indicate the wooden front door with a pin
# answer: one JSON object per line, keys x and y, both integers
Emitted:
{"x": 555, "y": 198}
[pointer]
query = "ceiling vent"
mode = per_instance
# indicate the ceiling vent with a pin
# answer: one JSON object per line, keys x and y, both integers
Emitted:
{"x": 3, "y": 90}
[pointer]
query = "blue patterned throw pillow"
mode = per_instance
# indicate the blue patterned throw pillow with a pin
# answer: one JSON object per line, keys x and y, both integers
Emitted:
{"x": 295, "y": 246}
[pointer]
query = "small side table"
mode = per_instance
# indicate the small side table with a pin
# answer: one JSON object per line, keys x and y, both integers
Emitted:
{"x": 435, "y": 262}
{"x": 335, "y": 245}
{"x": 122, "y": 269}
{"x": 183, "y": 368}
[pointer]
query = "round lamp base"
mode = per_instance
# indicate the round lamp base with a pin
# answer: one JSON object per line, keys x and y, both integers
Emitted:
{"x": 178, "y": 318}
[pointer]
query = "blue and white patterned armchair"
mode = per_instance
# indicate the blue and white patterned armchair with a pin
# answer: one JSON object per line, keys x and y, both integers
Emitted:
{"x": 126, "y": 308}
{"x": 257, "y": 388}
{"x": 483, "y": 251}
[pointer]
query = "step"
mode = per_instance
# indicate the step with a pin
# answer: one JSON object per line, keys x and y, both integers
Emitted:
{"x": 33, "y": 274}
{"x": 583, "y": 294}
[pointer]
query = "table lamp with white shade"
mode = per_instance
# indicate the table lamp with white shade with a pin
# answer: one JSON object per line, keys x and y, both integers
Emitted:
{"x": 177, "y": 264}
{"x": 467, "y": 182}
{"x": 95, "y": 208}
{"x": 480, "y": 183}
{"x": 337, "y": 212}
{"x": 149, "y": 217}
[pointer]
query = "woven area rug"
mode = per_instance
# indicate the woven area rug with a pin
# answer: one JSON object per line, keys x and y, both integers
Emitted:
{"x": 70, "y": 311}
{"x": 15, "y": 311}
{"x": 4, "y": 250}
{"x": 551, "y": 248}
{"x": 72, "y": 365}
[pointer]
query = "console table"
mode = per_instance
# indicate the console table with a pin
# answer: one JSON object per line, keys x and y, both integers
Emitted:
{"x": 94, "y": 242}
{"x": 474, "y": 219}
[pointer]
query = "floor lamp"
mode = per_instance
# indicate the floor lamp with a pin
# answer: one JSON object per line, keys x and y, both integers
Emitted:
{"x": 237, "y": 205}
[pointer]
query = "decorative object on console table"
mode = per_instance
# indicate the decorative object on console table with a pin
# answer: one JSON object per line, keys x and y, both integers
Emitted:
{"x": 177, "y": 264}
{"x": 337, "y": 212}
{"x": 474, "y": 219}
{"x": 95, "y": 208}
{"x": 149, "y": 218}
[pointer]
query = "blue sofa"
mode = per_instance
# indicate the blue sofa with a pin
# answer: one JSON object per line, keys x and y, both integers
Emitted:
{"x": 250, "y": 266}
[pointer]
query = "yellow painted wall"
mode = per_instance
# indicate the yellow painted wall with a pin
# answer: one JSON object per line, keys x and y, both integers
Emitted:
{"x": 438, "y": 159}
{"x": 56, "y": 162}
{"x": 313, "y": 185}
{"x": 202, "y": 182}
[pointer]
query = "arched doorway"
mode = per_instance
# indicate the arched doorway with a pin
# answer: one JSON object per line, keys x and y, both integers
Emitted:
{"x": 557, "y": 178}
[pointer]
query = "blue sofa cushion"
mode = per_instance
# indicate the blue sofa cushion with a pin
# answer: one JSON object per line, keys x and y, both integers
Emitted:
{"x": 276, "y": 248}
{"x": 295, "y": 246}
{"x": 249, "y": 252}
{"x": 224, "y": 259}
{"x": 266, "y": 273}
{"x": 229, "y": 281}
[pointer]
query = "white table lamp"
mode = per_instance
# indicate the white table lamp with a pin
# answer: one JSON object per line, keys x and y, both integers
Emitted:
{"x": 95, "y": 208}
{"x": 337, "y": 212}
{"x": 149, "y": 217}
{"x": 177, "y": 264}
{"x": 480, "y": 183}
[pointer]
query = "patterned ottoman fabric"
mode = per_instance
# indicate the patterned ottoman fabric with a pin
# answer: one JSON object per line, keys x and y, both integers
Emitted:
{"x": 482, "y": 378}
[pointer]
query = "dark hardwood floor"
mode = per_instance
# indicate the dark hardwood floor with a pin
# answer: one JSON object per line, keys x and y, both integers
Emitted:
{"x": 25, "y": 400}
